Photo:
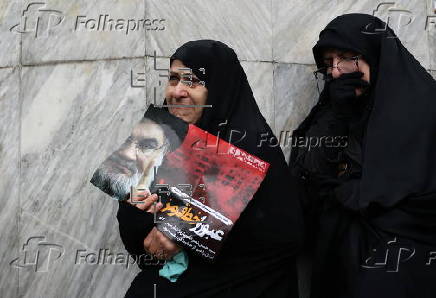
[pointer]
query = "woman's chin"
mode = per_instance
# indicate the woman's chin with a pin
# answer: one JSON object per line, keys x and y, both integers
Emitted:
{"x": 185, "y": 118}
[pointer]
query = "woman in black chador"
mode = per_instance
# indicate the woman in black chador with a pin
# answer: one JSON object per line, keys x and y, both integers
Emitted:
{"x": 258, "y": 257}
{"x": 372, "y": 203}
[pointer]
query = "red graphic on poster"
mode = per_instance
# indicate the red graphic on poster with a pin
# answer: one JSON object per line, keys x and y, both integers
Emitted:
{"x": 205, "y": 185}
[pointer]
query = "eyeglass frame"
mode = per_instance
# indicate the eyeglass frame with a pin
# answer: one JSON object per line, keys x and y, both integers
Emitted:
{"x": 320, "y": 70}
{"x": 191, "y": 80}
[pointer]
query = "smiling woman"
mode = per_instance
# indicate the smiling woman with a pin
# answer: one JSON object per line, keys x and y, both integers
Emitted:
{"x": 258, "y": 256}
{"x": 184, "y": 90}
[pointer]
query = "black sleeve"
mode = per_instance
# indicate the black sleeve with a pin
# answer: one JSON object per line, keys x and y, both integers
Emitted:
{"x": 320, "y": 148}
{"x": 318, "y": 165}
{"x": 134, "y": 225}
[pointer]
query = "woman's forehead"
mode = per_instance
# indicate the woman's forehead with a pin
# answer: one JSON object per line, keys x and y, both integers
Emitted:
{"x": 178, "y": 67}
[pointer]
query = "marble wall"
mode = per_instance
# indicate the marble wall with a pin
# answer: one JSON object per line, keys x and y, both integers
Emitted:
{"x": 71, "y": 91}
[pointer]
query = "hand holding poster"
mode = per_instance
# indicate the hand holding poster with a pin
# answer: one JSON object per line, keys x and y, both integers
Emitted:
{"x": 203, "y": 182}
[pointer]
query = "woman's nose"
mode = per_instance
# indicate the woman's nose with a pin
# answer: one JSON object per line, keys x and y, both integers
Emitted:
{"x": 179, "y": 90}
{"x": 335, "y": 71}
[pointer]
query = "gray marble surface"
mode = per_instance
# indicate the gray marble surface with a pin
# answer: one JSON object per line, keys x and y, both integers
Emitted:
{"x": 244, "y": 25}
{"x": 10, "y": 175}
{"x": 73, "y": 117}
{"x": 74, "y": 30}
{"x": 431, "y": 32}
{"x": 10, "y": 40}
{"x": 295, "y": 93}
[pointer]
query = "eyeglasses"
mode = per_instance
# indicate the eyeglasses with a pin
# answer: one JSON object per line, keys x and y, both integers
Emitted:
{"x": 186, "y": 79}
{"x": 344, "y": 65}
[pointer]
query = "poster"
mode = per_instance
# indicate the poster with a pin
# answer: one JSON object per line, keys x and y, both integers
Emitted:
{"x": 203, "y": 182}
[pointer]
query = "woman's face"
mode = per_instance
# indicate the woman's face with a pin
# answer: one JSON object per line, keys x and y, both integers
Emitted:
{"x": 180, "y": 93}
{"x": 333, "y": 56}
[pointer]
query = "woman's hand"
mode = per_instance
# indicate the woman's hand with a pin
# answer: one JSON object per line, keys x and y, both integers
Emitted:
{"x": 144, "y": 200}
{"x": 159, "y": 245}
{"x": 156, "y": 243}
{"x": 344, "y": 92}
